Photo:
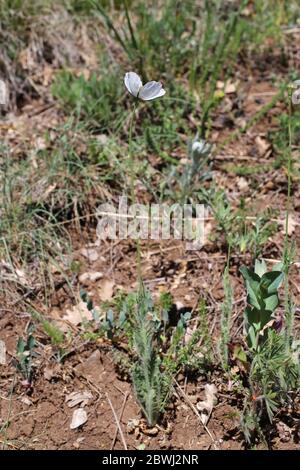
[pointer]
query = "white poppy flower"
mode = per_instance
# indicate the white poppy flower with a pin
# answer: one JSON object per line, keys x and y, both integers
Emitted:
{"x": 150, "y": 91}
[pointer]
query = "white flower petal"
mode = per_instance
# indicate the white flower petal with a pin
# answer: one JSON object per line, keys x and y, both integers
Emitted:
{"x": 151, "y": 91}
{"x": 133, "y": 83}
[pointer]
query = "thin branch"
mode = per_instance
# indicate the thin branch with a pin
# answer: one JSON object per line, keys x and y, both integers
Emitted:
{"x": 117, "y": 422}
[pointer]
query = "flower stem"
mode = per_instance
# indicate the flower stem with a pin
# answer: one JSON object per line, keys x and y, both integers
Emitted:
{"x": 287, "y": 250}
{"x": 289, "y": 172}
{"x": 132, "y": 192}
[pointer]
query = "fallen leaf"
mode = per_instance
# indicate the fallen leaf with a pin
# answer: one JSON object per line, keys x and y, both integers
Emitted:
{"x": 79, "y": 418}
{"x": 77, "y": 398}
{"x": 150, "y": 431}
{"x": 91, "y": 276}
{"x": 284, "y": 431}
{"x": 40, "y": 143}
{"x": 132, "y": 425}
{"x": 147, "y": 430}
{"x": 78, "y": 441}
{"x": 230, "y": 88}
{"x": 206, "y": 406}
{"x": 90, "y": 253}
{"x": 102, "y": 138}
{"x": 246, "y": 11}
{"x": 2, "y": 353}
{"x": 78, "y": 314}
{"x": 188, "y": 334}
{"x": 26, "y": 59}
{"x": 47, "y": 75}
{"x": 106, "y": 290}
{"x": 22, "y": 276}
{"x": 51, "y": 372}
{"x": 26, "y": 401}
{"x": 90, "y": 368}
{"x": 242, "y": 184}
{"x": 48, "y": 373}
{"x": 262, "y": 145}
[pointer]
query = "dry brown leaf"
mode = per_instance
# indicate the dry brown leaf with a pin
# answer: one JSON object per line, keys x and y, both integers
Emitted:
{"x": 230, "y": 88}
{"x": 90, "y": 254}
{"x": 79, "y": 418}
{"x": 242, "y": 184}
{"x": 78, "y": 314}
{"x": 106, "y": 290}
{"x": 26, "y": 59}
{"x": 2, "y": 353}
{"x": 26, "y": 401}
{"x": 77, "y": 398}
{"x": 40, "y": 143}
{"x": 48, "y": 74}
{"x": 188, "y": 334}
{"x": 132, "y": 425}
{"x": 206, "y": 406}
{"x": 51, "y": 372}
{"x": 262, "y": 145}
{"x": 91, "y": 276}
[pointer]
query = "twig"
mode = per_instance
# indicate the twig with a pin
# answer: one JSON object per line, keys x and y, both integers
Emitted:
{"x": 117, "y": 422}
{"x": 41, "y": 110}
{"x": 194, "y": 409}
{"x": 120, "y": 417}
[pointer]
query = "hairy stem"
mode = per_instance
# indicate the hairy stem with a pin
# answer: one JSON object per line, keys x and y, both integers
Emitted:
{"x": 132, "y": 192}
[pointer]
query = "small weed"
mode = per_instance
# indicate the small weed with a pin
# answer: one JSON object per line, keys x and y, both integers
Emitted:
{"x": 159, "y": 351}
{"x": 263, "y": 299}
{"x": 25, "y": 355}
{"x": 227, "y": 307}
{"x": 195, "y": 170}
{"x": 96, "y": 101}
{"x": 274, "y": 372}
{"x": 241, "y": 231}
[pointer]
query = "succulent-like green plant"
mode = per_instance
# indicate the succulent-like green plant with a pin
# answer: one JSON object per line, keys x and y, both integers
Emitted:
{"x": 24, "y": 357}
{"x": 263, "y": 299}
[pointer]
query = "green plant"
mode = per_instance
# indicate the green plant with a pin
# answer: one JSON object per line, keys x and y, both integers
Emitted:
{"x": 148, "y": 381}
{"x": 159, "y": 351}
{"x": 220, "y": 41}
{"x": 25, "y": 353}
{"x": 56, "y": 336}
{"x": 226, "y": 318}
{"x": 288, "y": 249}
{"x": 274, "y": 369}
{"x": 96, "y": 100}
{"x": 241, "y": 232}
{"x": 152, "y": 40}
{"x": 195, "y": 355}
{"x": 195, "y": 169}
{"x": 106, "y": 323}
{"x": 275, "y": 373}
{"x": 263, "y": 299}
{"x": 274, "y": 379}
